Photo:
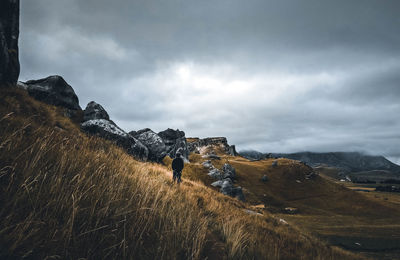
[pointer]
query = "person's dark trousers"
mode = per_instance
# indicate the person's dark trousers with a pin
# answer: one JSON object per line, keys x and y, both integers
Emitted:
{"x": 177, "y": 176}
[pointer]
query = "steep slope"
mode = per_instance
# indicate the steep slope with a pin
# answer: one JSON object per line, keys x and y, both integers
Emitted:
{"x": 66, "y": 195}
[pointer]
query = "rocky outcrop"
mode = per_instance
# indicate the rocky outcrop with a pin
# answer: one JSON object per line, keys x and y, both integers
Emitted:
{"x": 153, "y": 142}
{"x": 98, "y": 124}
{"x": 215, "y": 173}
{"x": 207, "y": 164}
{"x": 175, "y": 140}
{"x": 197, "y": 143}
{"x": 227, "y": 188}
{"x": 53, "y": 90}
{"x": 9, "y": 34}
{"x": 93, "y": 111}
{"x": 229, "y": 171}
{"x": 224, "y": 179}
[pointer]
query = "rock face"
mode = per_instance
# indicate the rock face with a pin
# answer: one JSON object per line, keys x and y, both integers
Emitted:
{"x": 175, "y": 140}
{"x": 154, "y": 143}
{"x": 229, "y": 171}
{"x": 195, "y": 145}
{"x": 9, "y": 33}
{"x": 215, "y": 173}
{"x": 225, "y": 179}
{"x": 107, "y": 129}
{"x": 53, "y": 90}
{"x": 95, "y": 111}
{"x": 229, "y": 189}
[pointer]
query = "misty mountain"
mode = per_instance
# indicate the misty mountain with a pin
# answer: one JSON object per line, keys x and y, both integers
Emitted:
{"x": 346, "y": 161}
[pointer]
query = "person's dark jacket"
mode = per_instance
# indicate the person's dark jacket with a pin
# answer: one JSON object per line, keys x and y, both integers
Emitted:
{"x": 177, "y": 164}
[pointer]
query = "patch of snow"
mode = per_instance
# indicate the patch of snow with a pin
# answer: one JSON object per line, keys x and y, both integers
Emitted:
{"x": 107, "y": 126}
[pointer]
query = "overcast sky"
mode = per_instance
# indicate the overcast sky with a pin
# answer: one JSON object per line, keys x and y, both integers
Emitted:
{"x": 275, "y": 76}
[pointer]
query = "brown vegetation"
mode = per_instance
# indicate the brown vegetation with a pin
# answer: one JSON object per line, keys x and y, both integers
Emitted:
{"x": 66, "y": 195}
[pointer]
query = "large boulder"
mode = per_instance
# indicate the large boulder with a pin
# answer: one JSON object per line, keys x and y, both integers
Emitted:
{"x": 215, "y": 173}
{"x": 9, "y": 33}
{"x": 98, "y": 124}
{"x": 229, "y": 189}
{"x": 154, "y": 143}
{"x": 53, "y": 90}
{"x": 175, "y": 140}
{"x": 94, "y": 110}
{"x": 229, "y": 171}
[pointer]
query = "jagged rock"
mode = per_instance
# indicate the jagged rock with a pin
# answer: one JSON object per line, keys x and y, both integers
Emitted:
{"x": 264, "y": 178}
{"x": 207, "y": 164}
{"x": 232, "y": 150}
{"x": 110, "y": 131}
{"x": 195, "y": 145}
{"x": 229, "y": 171}
{"x": 215, "y": 173}
{"x": 175, "y": 140}
{"x": 94, "y": 110}
{"x": 227, "y": 188}
{"x": 9, "y": 34}
{"x": 53, "y": 90}
{"x": 156, "y": 146}
{"x": 238, "y": 193}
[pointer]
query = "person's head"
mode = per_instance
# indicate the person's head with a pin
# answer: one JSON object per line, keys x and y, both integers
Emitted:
{"x": 178, "y": 155}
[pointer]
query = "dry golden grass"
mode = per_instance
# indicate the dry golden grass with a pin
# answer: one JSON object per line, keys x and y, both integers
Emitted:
{"x": 65, "y": 195}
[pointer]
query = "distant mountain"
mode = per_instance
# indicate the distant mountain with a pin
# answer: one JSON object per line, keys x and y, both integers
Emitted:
{"x": 253, "y": 154}
{"x": 346, "y": 161}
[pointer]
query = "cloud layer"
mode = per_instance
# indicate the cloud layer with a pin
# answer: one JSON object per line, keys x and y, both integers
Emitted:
{"x": 275, "y": 76}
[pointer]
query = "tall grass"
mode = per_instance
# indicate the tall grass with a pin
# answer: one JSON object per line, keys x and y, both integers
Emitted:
{"x": 65, "y": 195}
{"x": 76, "y": 197}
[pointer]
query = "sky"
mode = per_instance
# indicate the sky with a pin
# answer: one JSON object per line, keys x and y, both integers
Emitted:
{"x": 270, "y": 75}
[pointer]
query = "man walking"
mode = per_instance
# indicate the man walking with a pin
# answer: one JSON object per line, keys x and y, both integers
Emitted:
{"x": 177, "y": 167}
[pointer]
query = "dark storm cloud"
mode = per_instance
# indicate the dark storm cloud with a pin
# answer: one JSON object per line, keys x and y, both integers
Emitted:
{"x": 271, "y": 75}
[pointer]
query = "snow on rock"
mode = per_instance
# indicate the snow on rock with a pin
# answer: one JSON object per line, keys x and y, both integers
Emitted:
{"x": 107, "y": 129}
{"x": 154, "y": 143}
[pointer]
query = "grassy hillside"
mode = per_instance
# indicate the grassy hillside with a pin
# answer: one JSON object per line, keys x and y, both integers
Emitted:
{"x": 324, "y": 207}
{"x": 66, "y": 195}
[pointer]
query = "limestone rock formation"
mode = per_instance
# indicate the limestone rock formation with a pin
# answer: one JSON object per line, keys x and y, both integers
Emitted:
{"x": 94, "y": 110}
{"x": 98, "y": 123}
{"x": 9, "y": 34}
{"x": 225, "y": 180}
{"x": 215, "y": 173}
{"x": 229, "y": 171}
{"x": 175, "y": 140}
{"x": 207, "y": 164}
{"x": 228, "y": 188}
{"x": 222, "y": 142}
{"x": 154, "y": 143}
{"x": 53, "y": 90}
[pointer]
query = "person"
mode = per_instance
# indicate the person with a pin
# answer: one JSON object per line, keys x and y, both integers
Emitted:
{"x": 177, "y": 167}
